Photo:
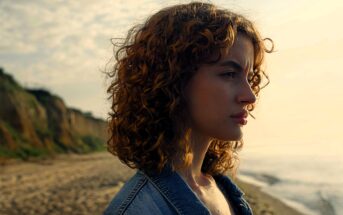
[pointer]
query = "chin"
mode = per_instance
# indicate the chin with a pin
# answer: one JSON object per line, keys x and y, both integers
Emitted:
{"x": 233, "y": 136}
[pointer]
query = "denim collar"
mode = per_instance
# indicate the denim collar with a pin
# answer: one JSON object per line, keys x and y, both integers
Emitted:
{"x": 180, "y": 195}
{"x": 231, "y": 188}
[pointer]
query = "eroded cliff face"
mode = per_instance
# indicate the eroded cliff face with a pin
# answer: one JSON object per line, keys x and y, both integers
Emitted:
{"x": 37, "y": 122}
{"x": 84, "y": 124}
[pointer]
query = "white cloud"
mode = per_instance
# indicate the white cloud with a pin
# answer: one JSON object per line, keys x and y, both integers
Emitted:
{"x": 68, "y": 42}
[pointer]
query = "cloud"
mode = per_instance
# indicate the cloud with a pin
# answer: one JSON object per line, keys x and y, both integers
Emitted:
{"x": 59, "y": 43}
{"x": 67, "y": 42}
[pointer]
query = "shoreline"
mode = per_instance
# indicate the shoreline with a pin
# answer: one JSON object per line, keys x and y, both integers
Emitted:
{"x": 264, "y": 203}
{"x": 85, "y": 184}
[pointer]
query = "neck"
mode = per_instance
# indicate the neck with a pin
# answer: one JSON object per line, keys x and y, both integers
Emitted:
{"x": 192, "y": 174}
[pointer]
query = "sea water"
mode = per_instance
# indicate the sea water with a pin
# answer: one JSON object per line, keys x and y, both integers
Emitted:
{"x": 313, "y": 184}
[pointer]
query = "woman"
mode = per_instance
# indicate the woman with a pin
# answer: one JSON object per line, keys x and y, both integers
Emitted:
{"x": 183, "y": 85}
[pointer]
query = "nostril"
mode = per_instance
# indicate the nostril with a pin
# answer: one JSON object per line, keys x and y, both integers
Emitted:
{"x": 247, "y": 96}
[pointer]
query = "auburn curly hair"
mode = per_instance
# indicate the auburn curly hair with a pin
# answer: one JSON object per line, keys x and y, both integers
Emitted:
{"x": 148, "y": 122}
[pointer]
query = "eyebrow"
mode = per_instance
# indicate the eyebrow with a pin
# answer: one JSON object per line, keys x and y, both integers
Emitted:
{"x": 232, "y": 64}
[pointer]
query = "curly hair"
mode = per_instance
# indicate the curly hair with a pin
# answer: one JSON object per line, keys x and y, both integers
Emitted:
{"x": 148, "y": 122}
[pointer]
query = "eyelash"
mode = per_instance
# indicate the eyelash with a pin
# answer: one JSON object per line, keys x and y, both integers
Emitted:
{"x": 232, "y": 74}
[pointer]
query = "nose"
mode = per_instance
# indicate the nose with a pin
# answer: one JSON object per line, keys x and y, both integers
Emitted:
{"x": 246, "y": 95}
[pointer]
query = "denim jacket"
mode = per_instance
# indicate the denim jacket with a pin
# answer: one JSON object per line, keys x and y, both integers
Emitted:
{"x": 168, "y": 194}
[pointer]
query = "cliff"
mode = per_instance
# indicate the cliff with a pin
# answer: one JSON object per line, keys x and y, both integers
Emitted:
{"x": 34, "y": 122}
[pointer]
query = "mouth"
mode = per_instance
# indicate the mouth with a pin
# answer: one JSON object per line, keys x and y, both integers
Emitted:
{"x": 241, "y": 114}
{"x": 240, "y": 120}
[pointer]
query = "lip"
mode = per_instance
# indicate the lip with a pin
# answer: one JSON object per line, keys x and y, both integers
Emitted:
{"x": 242, "y": 114}
{"x": 241, "y": 117}
{"x": 240, "y": 120}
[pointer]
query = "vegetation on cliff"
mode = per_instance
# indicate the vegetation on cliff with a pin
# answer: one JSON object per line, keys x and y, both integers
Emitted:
{"x": 34, "y": 122}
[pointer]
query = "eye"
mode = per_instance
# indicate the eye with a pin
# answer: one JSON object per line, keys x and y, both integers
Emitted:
{"x": 229, "y": 74}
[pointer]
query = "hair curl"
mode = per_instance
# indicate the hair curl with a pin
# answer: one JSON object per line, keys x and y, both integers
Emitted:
{"x": 148, "y": 124}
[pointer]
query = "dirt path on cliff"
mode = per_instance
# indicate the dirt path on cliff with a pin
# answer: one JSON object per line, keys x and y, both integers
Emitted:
{"x": 69, "y": 184}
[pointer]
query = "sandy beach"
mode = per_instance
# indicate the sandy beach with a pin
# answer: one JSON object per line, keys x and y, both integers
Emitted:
{"x": 84, "y": 184}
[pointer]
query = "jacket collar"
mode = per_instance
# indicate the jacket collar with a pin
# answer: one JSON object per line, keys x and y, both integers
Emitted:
{"x": 180, "y": 195}
{"x": 230, "y": 188}
{"x": 177, "y": 192}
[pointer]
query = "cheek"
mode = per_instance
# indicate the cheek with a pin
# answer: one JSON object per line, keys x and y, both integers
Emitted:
{"x": 209, "y": 99}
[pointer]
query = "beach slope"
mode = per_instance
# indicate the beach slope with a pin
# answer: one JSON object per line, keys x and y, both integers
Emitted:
{"x": 85, "y": 184}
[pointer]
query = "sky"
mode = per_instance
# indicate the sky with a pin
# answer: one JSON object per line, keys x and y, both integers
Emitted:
{"x": 64, "y": 46}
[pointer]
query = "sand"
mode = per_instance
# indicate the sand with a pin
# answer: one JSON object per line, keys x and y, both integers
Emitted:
{"x": 85, "y": 184}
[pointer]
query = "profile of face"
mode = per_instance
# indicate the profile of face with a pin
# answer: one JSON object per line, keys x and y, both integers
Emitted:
{"x": 218, "y": 91}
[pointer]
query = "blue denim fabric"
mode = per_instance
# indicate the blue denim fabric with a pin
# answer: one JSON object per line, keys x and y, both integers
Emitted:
{"x": 168, "y": 194}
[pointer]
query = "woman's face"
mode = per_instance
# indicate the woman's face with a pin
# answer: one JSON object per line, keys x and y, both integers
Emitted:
{"x": 218, "y": 91}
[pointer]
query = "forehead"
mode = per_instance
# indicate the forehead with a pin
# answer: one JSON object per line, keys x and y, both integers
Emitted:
{"x": 241, "y": 52}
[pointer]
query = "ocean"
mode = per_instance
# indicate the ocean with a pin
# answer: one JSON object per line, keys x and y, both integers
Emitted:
{"x": 313, "y": 184}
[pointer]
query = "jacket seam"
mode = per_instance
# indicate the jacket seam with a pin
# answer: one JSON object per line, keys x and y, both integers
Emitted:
{"x": 125, "y": 204}
{"x": 162, "y": 193}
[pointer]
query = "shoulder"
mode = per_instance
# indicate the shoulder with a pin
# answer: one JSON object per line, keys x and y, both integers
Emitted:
{"x": 163, "y": 193}
{"x": 138, "y": 196}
